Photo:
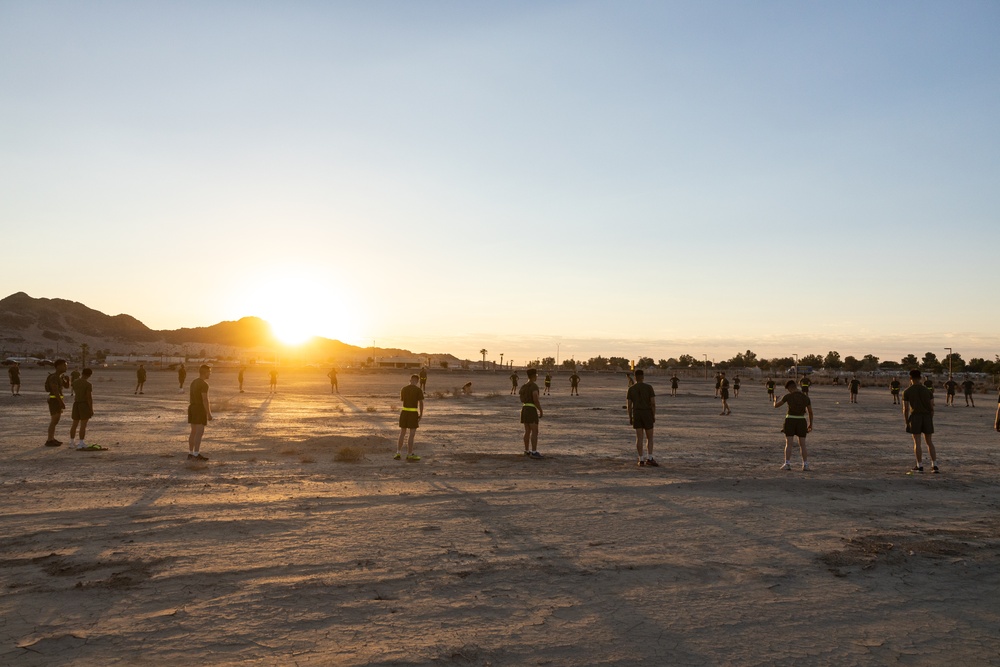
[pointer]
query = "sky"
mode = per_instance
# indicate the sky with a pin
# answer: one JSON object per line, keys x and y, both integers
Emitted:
{"x": 534, "y": 178}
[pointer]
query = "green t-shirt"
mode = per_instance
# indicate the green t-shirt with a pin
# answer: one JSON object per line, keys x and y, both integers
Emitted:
{"x": 797, "y": 403}
{"x": 527, "y": 392}
{"x": 640, "y": 395}
{"x": 82, "y": 390}
{"x": 411, "y": 396}
{"x": 920, "y": 399}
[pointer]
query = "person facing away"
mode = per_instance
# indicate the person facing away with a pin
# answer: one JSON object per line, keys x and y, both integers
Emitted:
{"x": 409, "y": 418}
{"x": 140, "y": 379}
{"x": 54, "y": 387}
{"x": 674, "y": 384}
{"x": 14, "y": 373}
{"x": 548, "y": 384}
{"x": 334, "y": 387}
{"x": 182, "y": 374}
{"x": 918, "y": 415}
{"x": 641, "y": 403}
{"x": 796, "y": 426}
{"x": 967, "y": 387}
{"x": 513, "y": 382}
{"x": 423, "y": 378}
{"x": 531, "y": 413}
{"x": 199, "y": 413}
{"x": 853, "y": 387}
{"x": 83, "y": 410}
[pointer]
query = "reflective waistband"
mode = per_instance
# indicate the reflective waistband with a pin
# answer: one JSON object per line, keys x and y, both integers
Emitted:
{"x": 54, "y": 396}
{"x": 410, "y": 410}
{"x": 529, "y": 405}
{"x": 795, "y": 416}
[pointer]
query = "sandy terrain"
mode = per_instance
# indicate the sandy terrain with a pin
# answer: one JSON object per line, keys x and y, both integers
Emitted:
{"x": 275, "y": 553}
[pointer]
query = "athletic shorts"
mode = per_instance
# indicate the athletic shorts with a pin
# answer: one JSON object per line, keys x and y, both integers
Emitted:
{"x": 82, "y": 411}
{"x": 408, "y": 419}
{"x": 795, "y": 426}
{"x": 805, "y": 389}
{"x": 895, "y": 392}
{"x": 55, "y": 406}
{"x": 725, "y": 393}
{"x": 968, "y": 393}
{"x": 197, "y": 415}
{"x": 920, "y": 423}
{"x": 529, "y": 414}
{"x": 770, "y": 390}
{"x": 642, "y": 419}
{"x": 951, "y": 392}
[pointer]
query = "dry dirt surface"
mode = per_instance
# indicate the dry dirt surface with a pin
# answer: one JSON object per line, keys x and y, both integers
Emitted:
{"x": 302, "y": 542}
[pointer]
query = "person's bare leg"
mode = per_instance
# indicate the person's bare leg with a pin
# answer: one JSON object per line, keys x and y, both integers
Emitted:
{"x": 534, "y": 437}
{"x": 409, "y": 442}
{"x": 399, "y": 444}
{"x": 916, "y": 450}
{"x": 930, "y": 448}
{"x": 788, "y": 448}
{"x": 649, "y": 443}
{"x": 52, "y": 425}
{"x": 802, "y": 450}
{"x": 527, "y": 437}
{"x": 72, "y": 430}
{"x": 638, "y": 443}
{"x": 83, "y": 429}
{"x": 194, "y": 440}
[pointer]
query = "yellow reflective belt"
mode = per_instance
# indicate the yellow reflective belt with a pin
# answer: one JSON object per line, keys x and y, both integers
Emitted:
{"x": 410, "y": 410}
{"x": 529, "y": 405}
{"x": 53, "y": 396}
{"x": 795, "y": 416}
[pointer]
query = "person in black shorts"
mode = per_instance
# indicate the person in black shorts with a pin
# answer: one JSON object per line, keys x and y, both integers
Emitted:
{"x": 674, "y": 384}
{"x": 73, "y": 377}
{"x": 949, "y": 387}
{"x": 996, "y": 422}
{"x": 894, "y": 385}
{"x": 548, "y": 384}
{"x": 140, "y": 379}
{"x": 853, "y": 386}
{"x": 736, "y": 387}
{"x": 240, "y": 376}
{"x": 513, "y": 382}
{"x": 83, "y": 410}
{"x": 770, "y": 390}
{"x": 423, "y": 378}
{"x": 199, "y": 412}
{"x": 967, "y": 387}
{"x": 796, "y": 426}
{"x": 918, "y": 414}
{"x": 574, "y": 384}
{"x": 54, "y": 387}
{"x": 805, "y": 384}
{"x": 718, "y": 384}
{"x": 335, "y": 387}
{"x": 641, "y": 403}
{"x": 724, "y": 394}
{"x": 14, "y": 372}
{"x": 412, "y": 397}
{"x": 531, "y": 413}
{"x": 273, "y": 387}
{"x": 182, "y": 374}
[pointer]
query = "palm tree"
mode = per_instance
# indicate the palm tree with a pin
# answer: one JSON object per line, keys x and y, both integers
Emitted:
{"x": 483, "y": 352}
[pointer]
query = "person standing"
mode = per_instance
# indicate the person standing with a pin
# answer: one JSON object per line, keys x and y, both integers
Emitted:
{"x": 967, "y": 387}
{"x": 412, "y": 397}
{"x": 574, "y": 384}
{"x": 853, "y": 386}
{"x": 770, "y": 384}
{"x": 674, "y": 384}
{"x": 73, "y": 377}
{"x": 796, "y": 426}
{"x": 423, "y": 378}
{"x": 718, "y": 384}
{"x": 641, "y": 403}
{"x": 736, "y": 387}
{"x": 918, "y": 414}
{"x": 949, "y": 391}
{"x": 335, "y": 386}
{"x": 548, "y": 384}
{"x": 199, "y": 413}
{"x": 54, "y": 387}
{"x": 14, "y": 372}
{"x": 273, "y": 386}
{"x": 724, "y": 394}
{"x": 806, "y": 383}
{"x": 531, "y": 413}
{"x": 894, "y": 385}
{"x": 239, "y": 377}
{"x": 83, "y": 410}
{"x": 513, "y": 383}
{"x": 996, "y": 422}
{"x": 182, "y": 374}
{"x": 140, "y": 379}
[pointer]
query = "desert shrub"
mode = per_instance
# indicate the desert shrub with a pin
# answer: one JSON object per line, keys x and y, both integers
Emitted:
{"x": 349, "y": 454}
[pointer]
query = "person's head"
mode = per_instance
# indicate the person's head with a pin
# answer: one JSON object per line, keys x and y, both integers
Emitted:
{"x": 60, "y": 365}
{"x": 915, "y": 375}
{"x": 414, "y": 379}
{"x": 639, "y": 374}
{"x": 790, "y": 385}
{"x": 87, "y": 372}
{"x": 204, "y": 371}
{"x": 532, "y": 373}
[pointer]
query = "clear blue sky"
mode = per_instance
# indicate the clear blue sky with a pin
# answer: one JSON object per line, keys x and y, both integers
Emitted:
{"x": 616, "y": 177}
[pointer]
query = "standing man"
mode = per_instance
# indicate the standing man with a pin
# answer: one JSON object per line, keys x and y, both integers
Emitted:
{"x": 674, "y": 383}
{"x": 799, "y": 404}
{"x": 140, "y": 379}
{"x": 853, "y": 387}
{"x": 574, "y": 384}
{"x": 14, "y": 372}
{"x": 894, "y": 390}
{"x": 83, "y": 410}
{"x": 641, "y": 401}
{"x": 736, "y": 387}
{"x": 513, "y": 383}
{"x": 531, "y": 413}
{"x": 724, "y": 393}
{"x": 199, "y": 413}
{"x": 718, "y": 384}
{"x": 949, "y": 387}
{"x": 967, "y": 388}
{"x": 335, "y": 387}
{"x": 770, "y": 390}
{"x": 182, "y": 374}
{"x": 73, "y": 377}
{"x": 423, "y": 378}
{"x": 273, "y": 387}
{"x": 410, "y": 416}
{"x": 54, "y": 387}
{"x": 239, "y": 377}
{"x": 806, "y": 383}
{"x": 918, "y": 414}
{"x": 548, "y": 383}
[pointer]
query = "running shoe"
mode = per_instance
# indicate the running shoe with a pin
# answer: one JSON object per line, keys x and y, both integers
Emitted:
{"x": 805, "y": 466}
{"x": 652, "y": 463}
{"x": 535, "y": 455}
{"x": 412, "y": 457}
{"x": 917, "y": 469}
{"x": 640, "y": 463}
{"x": 200, "y": 457}
{"x": 52, "y": 443}
{"x": 787, "y": 466}
{"x": 934, "y": 469}
{"x": 397, "y": 456}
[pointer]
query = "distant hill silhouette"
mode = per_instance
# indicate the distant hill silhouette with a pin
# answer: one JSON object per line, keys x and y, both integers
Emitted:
{"x": 31, "y": 324}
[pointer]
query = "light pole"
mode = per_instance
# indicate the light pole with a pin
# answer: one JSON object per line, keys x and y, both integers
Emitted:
{"x": 501, "y": 360}
{"x": 796, "y": 366}
{"x": 949, "y": 362}
{"x": 706, "y": 365}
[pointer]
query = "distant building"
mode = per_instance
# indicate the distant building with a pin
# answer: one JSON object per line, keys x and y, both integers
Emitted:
{"x": 398, "y": 362}
{"x": 114, "y": 359}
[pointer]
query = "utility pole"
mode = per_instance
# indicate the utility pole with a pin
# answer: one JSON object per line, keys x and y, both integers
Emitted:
{"x": 949, "y": 362}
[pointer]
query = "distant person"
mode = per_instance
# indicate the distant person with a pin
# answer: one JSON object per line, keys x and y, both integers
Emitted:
{"x": 796, "y": 426}
{"x": 718, "y": 384}
{"x": 513, "y": 382}
{"x": 54, "y": 387}
{"x": 531, "y": 413}
{"x": 929, "y": 383}
{"x": 853, "y": 386}
{"x": 273, "y": 387}
{"x": 14, "y": 372}
{"x": 548, "y": 384}
{"x": 335, "y": 387}
{"x": 73, "y": 377}
{"x": 770, "y": 384}
{"x": 631, "y": 379}
{"x": 182, "y": 374}
{"x": 736, "y": 387}
{"x": 641, "y": 403}
{"x": 967, "y": 387}
{"x": 674, "y": 384}
{"x": 724, "y": 394}
{"x": 805, "y": 384}
{"x": 467, "y": 389}
{"x": 996, "y": 422}
{"x": 894, "y": 390}
{"x": 409, "y": 417}
{"x": 423, "y": 378}
{"x": 199, "y": 413}
{"x": 140, "y": 379}
{"x": 574, "y": 384}
{"x": 949, "y": 388}
{"x": 918, "y": 414}
{"x": 83, "y": 410}
{"x": 239, "y": 377}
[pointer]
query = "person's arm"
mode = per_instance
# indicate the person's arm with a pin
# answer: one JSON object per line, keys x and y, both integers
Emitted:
{"x": 534, "y": 399}
{"x": 420, "y": 404}
{"x": 809, "y": 409}
{"x": 652, "y": 405}
{"x": 628, "y": 403}
{"x": 781, "y": 401}
{"x": 208, "y": 407}
{"x": 906, "y": 410}
{"x": 996, "y": 424}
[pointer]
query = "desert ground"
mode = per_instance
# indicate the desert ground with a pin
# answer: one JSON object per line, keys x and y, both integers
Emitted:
{"x": 279, "y": 552}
